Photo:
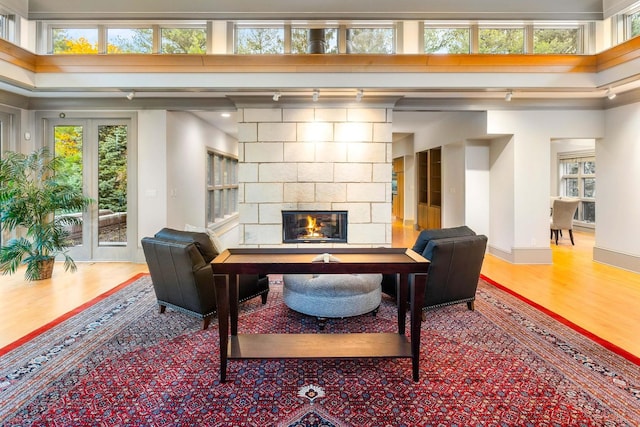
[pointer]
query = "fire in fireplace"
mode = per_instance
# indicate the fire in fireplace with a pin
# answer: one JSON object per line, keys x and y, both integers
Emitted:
{"x": 314, "y": 226}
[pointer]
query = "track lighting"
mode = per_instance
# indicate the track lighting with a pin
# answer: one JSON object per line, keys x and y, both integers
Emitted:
{"x": 359, "y": 95}
{"x": 316, "y": 95}
{"x": 610, "y": 94}
{"x": 508, "y": 96}
{"x": 276, "y": 96}
{"x": 131, "y": 95}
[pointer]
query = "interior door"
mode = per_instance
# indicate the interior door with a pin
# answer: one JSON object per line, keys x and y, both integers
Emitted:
{"x": 97, "y": 158}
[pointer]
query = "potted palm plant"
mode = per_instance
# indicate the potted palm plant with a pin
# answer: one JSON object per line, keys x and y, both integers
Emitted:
{"x": 35, "y": 198}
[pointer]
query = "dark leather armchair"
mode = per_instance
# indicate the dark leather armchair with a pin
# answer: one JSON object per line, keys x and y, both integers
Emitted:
{"x": 180, "y": 267}
{"x": 456, "y": 256}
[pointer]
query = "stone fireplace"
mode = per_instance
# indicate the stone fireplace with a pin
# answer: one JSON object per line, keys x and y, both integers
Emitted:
{"x": 315, "y": 159}
{"x": 314, "y": 226}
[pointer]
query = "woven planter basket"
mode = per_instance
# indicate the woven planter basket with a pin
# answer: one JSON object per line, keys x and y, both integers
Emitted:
{"x": 46, "y": 269}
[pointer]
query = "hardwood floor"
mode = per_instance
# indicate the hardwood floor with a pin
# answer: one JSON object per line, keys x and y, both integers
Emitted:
{"x": 29, "y": 305}
{"x": 601, "y": 299}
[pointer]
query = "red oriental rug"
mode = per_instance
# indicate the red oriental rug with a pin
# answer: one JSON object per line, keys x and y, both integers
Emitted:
{"x": 120, "y": 363}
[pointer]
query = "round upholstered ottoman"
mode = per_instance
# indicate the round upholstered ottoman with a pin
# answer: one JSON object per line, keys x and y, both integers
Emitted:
{"x": 332, "y": 295}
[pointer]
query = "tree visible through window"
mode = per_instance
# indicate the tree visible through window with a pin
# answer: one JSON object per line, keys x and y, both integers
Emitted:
{"x": 259, "y": 40}
{"x": 555, "y": 40}
{"x": 501, "y": 40}
{"x": 634, "y": 24}
{"x": 578, "y": 179}
{"x": 75, "y": 40}
{"x": 370, "y": 40}
{"x": 130, "y": 40}
{"x": 184, "y": 40}
{"x": 446, "y": 40}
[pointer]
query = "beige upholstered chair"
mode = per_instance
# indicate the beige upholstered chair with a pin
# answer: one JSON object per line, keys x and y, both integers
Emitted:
{"x": 562, "y": 217}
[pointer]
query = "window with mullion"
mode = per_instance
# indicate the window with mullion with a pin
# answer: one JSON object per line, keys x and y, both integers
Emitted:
{"x": 578, "y": 179}
{"x": 222, "y": 187}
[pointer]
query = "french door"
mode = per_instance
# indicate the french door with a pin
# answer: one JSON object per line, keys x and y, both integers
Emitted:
{"x": 98, "y": 157}
{"x": 5, "y": 126}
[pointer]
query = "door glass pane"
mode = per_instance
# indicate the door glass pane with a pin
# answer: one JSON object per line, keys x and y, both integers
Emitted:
{"x": 112, "y": 185}
{"x": 68, "y": 147}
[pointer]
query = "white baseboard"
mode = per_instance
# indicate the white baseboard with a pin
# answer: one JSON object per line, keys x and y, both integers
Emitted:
{"x": 617, "y": 259}
{"x": 523, "y": 255}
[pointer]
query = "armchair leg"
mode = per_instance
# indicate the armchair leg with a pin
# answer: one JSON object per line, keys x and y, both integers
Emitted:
{"x": 471, "y": 305}
{"x": 571, "y": 236}
{"x": 205, "y": 322}
{"x": 264, "y": 298}
{"x": 161, "y": 308}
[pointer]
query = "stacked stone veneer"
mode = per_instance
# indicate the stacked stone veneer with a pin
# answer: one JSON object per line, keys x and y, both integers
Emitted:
{"x": 315, "y": 159}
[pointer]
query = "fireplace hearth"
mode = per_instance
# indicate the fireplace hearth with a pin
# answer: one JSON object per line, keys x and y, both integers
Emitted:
{"x": 314, "y": 226}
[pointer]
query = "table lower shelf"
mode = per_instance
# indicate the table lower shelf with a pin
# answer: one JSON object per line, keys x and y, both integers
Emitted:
{"x": 319, "y": 346}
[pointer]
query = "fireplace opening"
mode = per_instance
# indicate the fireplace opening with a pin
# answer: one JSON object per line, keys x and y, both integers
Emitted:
{"x": 314, "y": 226}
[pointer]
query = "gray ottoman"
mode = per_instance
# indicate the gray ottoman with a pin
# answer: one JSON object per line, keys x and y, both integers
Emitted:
{"x": 332, "y": 295}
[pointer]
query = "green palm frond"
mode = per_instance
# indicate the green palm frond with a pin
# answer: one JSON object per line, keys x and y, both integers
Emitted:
{"x": 36, "y": 199}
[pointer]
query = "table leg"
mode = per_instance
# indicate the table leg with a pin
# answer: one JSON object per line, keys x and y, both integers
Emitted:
{"x": 402, "y": 292}
{"x": 222, "y": 303}
{"x": 233, "y": 302}
{"x": 417, "y": 288}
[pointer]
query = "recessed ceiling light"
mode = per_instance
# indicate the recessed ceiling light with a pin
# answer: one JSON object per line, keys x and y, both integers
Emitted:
{"x": 226, "y": 115}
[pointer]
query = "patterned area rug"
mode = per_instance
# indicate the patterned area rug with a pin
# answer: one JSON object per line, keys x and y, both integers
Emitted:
{"x": 120, "y": 363}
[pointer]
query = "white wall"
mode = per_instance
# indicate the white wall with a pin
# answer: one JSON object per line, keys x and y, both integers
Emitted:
{"x": 501, "y": 194}
{"x": 533, "y": 131}
{"x": 453, "y": 185}
{"x": 188, "y": 138}
{"x": 560, "y": 146}
{"x": 477, "y": 184}
{"x": 152, "y": 173}
{"x": 618, "y": 175}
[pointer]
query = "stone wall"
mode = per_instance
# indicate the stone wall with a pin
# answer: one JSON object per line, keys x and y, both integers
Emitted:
{"x": 315, "y": 159}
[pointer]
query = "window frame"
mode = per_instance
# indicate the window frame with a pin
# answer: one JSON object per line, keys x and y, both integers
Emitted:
{"x": 432, "y": 25}
{"x": 628, "y": 26}
{"x": 580, "y": 42}
{"x": 227, "y": 188}
{"x": 579, "y": 157}
{"x": 259, "y": 25}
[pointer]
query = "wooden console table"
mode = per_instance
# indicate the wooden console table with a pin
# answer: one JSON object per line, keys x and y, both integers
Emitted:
{"x": 404, "y": 262}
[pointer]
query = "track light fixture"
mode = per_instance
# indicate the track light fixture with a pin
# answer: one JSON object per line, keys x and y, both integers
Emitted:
{"x": 131, "y": 95}
{"x": 610, "y": 94}
{"x": 359, "y": 95}
{"x": 508, "y": 96}
{"x": 316, "y": 95}
{"x": 276, "y": 96}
